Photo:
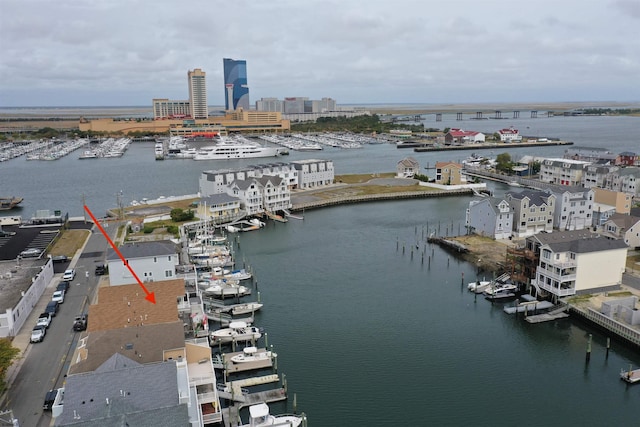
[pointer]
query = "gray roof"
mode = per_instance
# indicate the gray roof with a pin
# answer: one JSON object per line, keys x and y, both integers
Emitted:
{"x": 218, "y": 199}
{"x": 131, "y": 389}
{"x": 623, "y": 221}
{"x": 629, "y": 171}
{"x": 144, "y": 250}
{"x": 585, "y": 245}
{"x": 274, "y": 179}
{"x": 536, "y": 198}
{"x": 173, "y": 416}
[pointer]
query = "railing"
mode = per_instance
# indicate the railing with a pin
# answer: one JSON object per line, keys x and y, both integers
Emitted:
{"x": 557, "y": 291}
{"x": 610, "y": 324}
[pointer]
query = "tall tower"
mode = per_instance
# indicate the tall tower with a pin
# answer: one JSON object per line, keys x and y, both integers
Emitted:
{"x": 198, "y": 94}
{"x": 235, "y": 84}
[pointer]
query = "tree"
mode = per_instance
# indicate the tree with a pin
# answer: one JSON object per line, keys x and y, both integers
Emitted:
{"x": 503, "y": 163}
{"x": 178, "y": 215}
{"x": 534, "y": 168}
{"x": 7, "y": 354}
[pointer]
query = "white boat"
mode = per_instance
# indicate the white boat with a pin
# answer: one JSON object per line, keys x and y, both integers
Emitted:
{"x": 259, "y": 417}
{"x": 223, "y": 289}
{"x": 237, "y": 274}
{"x": 256, "y": 221}
{"x": 224, "y": 151}
{"x": 249, "y": 307}
{"x": 479, "y": 286}
{"x": 251, "y": 354}
{"x": 500, "y": 291}
{"x": 237, "y": 331}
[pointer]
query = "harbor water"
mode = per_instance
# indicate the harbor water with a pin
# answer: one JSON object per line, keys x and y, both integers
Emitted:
{"x": 372, "y": 325}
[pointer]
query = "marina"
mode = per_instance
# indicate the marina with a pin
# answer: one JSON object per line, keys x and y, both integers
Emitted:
{"x": 362, "y": 272}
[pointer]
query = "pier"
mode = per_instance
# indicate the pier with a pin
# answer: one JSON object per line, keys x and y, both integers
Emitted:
{"x": 490, "y": 146}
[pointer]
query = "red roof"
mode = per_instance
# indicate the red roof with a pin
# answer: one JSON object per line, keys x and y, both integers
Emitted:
{"x": 510, "y": 130}
{"x": 462, "y": 133}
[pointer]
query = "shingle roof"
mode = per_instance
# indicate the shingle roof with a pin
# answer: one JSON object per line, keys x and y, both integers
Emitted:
{"x": 144, "y": 250}
{"x": 218, "y": 199}
{"x": 585, "y": 245}
{"x": 623, "y": 221}
{"x": 108, "y": 394}
{"x": 536, "y": 198}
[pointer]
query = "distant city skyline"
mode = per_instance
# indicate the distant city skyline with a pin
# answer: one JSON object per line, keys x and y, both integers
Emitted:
{"x": 408, "y": 51}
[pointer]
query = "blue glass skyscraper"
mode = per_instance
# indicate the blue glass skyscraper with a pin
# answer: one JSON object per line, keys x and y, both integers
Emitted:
{"x": 235, "y": 84}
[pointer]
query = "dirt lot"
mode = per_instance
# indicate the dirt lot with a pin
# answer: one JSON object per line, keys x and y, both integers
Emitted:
{"x": 485, "y": 253}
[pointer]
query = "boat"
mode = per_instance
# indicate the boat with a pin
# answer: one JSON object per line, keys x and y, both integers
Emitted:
{"x": 256, "y": 221}
{"x": 7, "y": 203}
{"x": 224, "y": 289}
{"x": 241, "y": 274}
{"x": 259, "y": 416}
{"x": 479, "y": 286}
{"x": 225, "y": 150}
{"x": 251, "y": 354}
{"x": 237, "y": 331}
{"x": 500, "y": 291}
{"x": 630, "y": 376}
{"x": 249, "y": 307}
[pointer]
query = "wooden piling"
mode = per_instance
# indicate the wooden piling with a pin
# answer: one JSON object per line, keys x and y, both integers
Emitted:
{"x": 588, "y": 355}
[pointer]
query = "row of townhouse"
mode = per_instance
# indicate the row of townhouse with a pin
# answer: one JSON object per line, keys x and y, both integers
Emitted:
{"x": 578, "y": 172}
{"x": 602, "y": 156}
{"x": 232, "y": 194}
{"x": 528, "y": 212}
{"x": 131, "y": 346}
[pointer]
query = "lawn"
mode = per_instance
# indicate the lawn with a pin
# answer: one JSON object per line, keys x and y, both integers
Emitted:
{"x": 69, "y": 242}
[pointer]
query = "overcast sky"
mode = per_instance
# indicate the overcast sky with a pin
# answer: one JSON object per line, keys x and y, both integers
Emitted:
{"x": 126, "y": 52}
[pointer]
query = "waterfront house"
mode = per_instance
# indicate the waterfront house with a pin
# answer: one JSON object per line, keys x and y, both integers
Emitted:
{"x": 314, "y": 173}
{"x": 533, "y": 211}
{"x": 249, "y": 191}
{"x": 217, "y": 181}
{"x": 150, "y": 261}
{"x": 122, "y": 391}
{"x": 625, "y": 227}
{"x": 449, "y": 173}
{"x": 576, "y": 262}
{"x": 490, "y": 216}
{"x": 407, "y": 168}
{"x": 276, "y": 196}
{"x": 219, "y": 208}
{"x": 509, "y": 135}
{"x": 458, "y": 137}
{"x": 573, "y": 207}
{"x": 562, "y": 171}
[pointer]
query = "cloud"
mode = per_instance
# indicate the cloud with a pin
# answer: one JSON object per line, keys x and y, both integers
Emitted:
{"x": 352, "y": 51}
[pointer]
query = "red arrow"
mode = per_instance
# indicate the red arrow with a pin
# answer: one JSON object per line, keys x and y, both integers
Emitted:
{"x": 150, "y": 296}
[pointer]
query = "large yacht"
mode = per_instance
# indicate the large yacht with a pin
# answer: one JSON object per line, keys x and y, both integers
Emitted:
{"x": 226, "y": 150}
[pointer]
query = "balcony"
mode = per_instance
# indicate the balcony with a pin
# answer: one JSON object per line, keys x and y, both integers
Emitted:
{"x": 561, "y": 291}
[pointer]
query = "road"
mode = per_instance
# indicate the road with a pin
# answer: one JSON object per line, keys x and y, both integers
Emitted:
{"x": 46, "y": 363}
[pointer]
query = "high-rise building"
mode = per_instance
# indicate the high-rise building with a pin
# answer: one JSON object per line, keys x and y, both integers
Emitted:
{"x": 235, "y": 84}
{"x": 198, "y": 94}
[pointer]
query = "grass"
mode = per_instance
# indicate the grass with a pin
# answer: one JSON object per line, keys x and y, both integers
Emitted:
{"x": 69, "y": 242}
{"x": 361, "y": 178}
{"x": 364, "y": 190}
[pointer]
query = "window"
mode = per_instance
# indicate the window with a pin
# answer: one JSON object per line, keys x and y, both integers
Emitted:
{"x": 155, "y": 259}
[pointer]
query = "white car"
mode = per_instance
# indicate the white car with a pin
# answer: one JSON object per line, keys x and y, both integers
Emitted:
{"x": 44, "y": 320}
{"x": 69, "y": 274}
{"x": 58, "y": 296}
{"x": 37, "y": 334}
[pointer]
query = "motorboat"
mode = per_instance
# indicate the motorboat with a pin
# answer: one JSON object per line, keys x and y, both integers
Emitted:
{"x": 479, "y": 286}
{"x": 259, "y": 417}
{"x": 500, "y": 291}
{"x": 249, "y": 307}
{"x": 237, "y": 331}
{"x": 237, "y": 274}
{"x": 224, "y": 289}
{"x": 252, "y": 354}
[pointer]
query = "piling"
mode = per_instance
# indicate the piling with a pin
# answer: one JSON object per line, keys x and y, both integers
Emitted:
{"x": 588, "y": 356}
{"x": 608, "y": 346}
{"x": 295, "y": 403}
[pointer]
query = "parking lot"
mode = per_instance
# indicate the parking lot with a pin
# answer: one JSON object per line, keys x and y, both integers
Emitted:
{"x": 17, "y": 240}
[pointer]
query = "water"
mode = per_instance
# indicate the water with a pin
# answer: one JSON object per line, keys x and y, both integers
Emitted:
{"x": 367, "y": 334}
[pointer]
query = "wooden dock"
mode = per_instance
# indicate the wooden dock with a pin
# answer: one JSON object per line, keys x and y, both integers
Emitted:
{"x": 547, "y": 317}
{"x": 630, "y": 376}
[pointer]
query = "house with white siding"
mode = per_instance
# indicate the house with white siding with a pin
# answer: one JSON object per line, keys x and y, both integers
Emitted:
{"x": 490, "y": 216}
{"x": 150, "y": 261}
{"x": 562, "y": 171}
{"x": 533, "y": 211}
{"x": 314, "y": 173}
{"x": 577, "y": 262}
{"x": 407, "y": 168}
{"x": 626, "y": 180}
{"x": 276, "y": 196}
{"x": 509, "y": 135}
{"x": 249, "y": 191}
{"x": 573, "y": 207}
{"x": 219, "y": 208}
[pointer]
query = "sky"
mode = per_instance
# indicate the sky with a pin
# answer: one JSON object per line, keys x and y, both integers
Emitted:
{"x": 127, "y": 52}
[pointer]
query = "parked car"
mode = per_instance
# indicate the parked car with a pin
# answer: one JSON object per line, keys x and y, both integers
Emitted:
{"x": 58, "y": 296}
{"x": 49, "y": 398}
{"x": 69, "y": 274}
{"x": 31, "y": 253}
{"x": 44, "y": 320}
{"x": 100, "y": 270}
{"x": 63, "y": 286}
{"x": 38, "y": 333}
{"x": 80, "y": 322}
{"x": 52, "y": 308}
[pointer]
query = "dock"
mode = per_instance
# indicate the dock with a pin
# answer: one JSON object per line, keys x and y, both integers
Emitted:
{"x": 559, "y": 313}
{"x": 220, "y": 362}
{"x": 630, "y": 376}
{"x": 529, "y": 305}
